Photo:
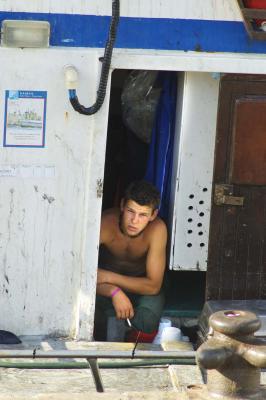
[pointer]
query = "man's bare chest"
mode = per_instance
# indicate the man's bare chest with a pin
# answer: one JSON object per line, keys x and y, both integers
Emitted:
{"x": 130, "y": 250}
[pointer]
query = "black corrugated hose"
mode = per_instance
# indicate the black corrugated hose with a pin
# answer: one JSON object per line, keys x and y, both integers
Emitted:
{"x": 105, "y": 67}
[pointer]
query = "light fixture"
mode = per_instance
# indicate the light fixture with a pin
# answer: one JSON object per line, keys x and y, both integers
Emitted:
{"x": 25, "y": 33}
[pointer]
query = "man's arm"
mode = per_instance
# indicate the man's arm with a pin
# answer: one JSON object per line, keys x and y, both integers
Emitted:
{"x": 105, "y": 289}
{"x": 121, "y": 303}
{"x": 155, "y": 266}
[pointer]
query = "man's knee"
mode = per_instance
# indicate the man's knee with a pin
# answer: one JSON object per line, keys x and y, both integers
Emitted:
{"x": 145, "y": 320}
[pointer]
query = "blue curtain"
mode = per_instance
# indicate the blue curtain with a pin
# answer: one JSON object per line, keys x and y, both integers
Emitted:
{"x": 160, "y": 158}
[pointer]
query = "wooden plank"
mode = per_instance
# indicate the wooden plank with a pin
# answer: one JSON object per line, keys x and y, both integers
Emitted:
{"x": 183, "y": 376}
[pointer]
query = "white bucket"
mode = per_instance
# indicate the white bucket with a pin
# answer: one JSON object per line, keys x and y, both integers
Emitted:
{"x": 171, "y": 334}
{"x": 164, "y": 323}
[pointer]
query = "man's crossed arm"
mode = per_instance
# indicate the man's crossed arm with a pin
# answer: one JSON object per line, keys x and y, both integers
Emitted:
{"x": 155, "y": 266}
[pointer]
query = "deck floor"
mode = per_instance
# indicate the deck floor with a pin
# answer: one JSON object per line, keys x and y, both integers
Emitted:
{"x": 142, "y": 383}
{"x": 122, "y": 383}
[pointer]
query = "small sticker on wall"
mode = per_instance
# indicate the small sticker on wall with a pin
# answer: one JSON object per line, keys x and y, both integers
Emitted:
{"x": 8, "y": 170}
{"x": 28, "y": 171}
{"x": 25, "y": 118}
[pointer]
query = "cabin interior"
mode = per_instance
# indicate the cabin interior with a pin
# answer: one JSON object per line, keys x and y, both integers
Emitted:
{"x": 125, "y": 161}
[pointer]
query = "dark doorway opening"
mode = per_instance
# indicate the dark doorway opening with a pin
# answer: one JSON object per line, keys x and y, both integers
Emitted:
{"x": 126, "y": 160}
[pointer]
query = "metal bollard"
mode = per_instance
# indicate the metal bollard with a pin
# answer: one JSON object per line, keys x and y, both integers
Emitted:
{"x": 233, "y": 356}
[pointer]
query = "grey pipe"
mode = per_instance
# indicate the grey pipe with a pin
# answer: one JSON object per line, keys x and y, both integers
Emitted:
{"x": 144, "y": 354}
{"x": 101, "y": 364}
{"x": 96, "y": 374}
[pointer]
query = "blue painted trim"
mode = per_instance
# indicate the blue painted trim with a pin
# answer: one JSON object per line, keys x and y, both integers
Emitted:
{"x": 71, "y": 30}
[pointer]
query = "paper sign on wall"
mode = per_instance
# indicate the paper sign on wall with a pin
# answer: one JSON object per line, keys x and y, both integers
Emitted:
{"x": 25, "y": 115}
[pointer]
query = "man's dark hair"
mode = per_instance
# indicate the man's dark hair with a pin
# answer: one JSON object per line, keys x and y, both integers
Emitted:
{"x": 143, "y": 193}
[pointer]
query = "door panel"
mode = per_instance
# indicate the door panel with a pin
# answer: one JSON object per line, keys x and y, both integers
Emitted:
{"x": 237, "y": 248}
{"x": 248, "y": 153}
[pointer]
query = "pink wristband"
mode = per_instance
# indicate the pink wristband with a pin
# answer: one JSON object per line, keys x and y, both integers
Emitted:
{"x": 115, "y": 291}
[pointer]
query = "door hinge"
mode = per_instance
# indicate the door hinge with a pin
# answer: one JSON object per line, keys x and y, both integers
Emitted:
{"x": 223, "y": 195}
{"x": 99, "y": 188}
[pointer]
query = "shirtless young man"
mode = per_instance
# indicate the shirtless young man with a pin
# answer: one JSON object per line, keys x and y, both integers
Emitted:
{"x": 132, "y": 261}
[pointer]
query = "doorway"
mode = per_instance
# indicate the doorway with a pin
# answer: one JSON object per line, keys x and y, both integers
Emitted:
{"x": 125, "y": 150}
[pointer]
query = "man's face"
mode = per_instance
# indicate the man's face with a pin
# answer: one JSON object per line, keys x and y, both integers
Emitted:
{"x": 135, "y": 218}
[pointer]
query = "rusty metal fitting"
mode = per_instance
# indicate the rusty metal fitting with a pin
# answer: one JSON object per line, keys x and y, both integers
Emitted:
{"x": 233, "y": 356}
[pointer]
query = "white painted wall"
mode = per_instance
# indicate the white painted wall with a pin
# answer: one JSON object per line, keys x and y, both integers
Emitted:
{"x": 48, "y": 251}
{"x": 194, "y": 150}
{"x": 189, "y": 9}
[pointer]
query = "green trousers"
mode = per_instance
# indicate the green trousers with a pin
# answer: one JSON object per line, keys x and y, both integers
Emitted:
{"x": 148, "y": 311}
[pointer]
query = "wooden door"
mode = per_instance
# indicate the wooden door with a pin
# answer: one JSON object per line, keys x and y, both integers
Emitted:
{"x": 237, "y": 245}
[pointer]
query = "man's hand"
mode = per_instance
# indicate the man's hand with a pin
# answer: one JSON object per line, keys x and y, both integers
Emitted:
{"x": 123, "y": 306}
